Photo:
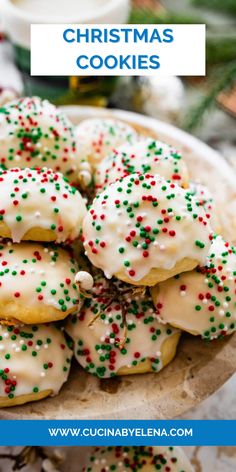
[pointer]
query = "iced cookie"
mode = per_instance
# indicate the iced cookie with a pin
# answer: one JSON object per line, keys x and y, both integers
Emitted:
{"x": 147, "y": 156}
{"x": 36, "y": 283}
{"x": 202, "y": 301}
{"x": 34, "y": 133}
{"x": 97, "y": 137}
{"x": 144, "y": 229}
{"x": 117, "y": 332}
{"x": 34, "y": 363}
{"x": 139, "y": 458}
{"x": 39, "y": 205}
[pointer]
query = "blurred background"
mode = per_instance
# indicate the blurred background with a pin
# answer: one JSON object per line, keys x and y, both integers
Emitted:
{"x": 204, "y": 106}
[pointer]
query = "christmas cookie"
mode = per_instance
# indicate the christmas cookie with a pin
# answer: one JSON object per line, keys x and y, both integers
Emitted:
{"x": 34, "y": 363}
{"x": 139, "y": 458}
{"x": 36, "y": 283}
{"x": 117, "y": 332}
{"x": 97, "y": 137}
{"x": 34, "y": 133}
{"x": 205, "y": 199}
{"x": 144, "y": 229}
{"x": 147, "y": 156}
{"x": 39, "y": 205}
{"x": 202, "y": 301}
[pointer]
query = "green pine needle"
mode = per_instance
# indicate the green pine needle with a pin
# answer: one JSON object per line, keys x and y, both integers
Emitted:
{"x": 226, "y": 6}
{"x": 220, "y": 49}
{"x": 148, "y": 16}
{"x": 223, "y": 80}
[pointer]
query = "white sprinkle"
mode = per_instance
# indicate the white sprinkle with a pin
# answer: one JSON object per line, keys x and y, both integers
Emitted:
{"x": 84, "y": 280}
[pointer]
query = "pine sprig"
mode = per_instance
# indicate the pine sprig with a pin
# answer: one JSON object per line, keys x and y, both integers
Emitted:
{"x": 223, "y": 80}
{"x": 148, "y": 16}
{"x": 226, "y": 6}
{"x": 220, "y": 48}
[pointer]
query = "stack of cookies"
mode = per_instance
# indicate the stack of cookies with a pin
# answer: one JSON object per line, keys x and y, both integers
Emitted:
{"x": 39, "y": 213}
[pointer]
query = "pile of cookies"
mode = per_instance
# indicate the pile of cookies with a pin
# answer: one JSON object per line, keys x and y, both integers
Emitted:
{"x": 39, "y": 213}
{"x": 102, "y": 228}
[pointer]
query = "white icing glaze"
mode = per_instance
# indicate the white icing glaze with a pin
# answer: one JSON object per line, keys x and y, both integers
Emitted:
{"x": 97, "y": 137}
{"x": 40, "y": 199}
{"x": 202, "y": 301}
{"x": 146, "y": 459}
{"x": 98, "y": 339}
{"x": 146, "y": 156}
{"x": 32, "y": 359}
{"x": 34, "y": 133}
{"x": 205, "y": 199}
{"x": 144, "y": 222}
{"x": 35, "y": 274}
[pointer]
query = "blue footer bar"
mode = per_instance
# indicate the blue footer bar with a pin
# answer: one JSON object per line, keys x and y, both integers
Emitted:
{"x": 118, "y": 433}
